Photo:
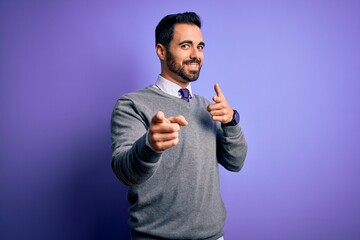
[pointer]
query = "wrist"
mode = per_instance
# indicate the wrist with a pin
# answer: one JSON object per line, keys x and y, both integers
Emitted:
{"x": 235, "y": 119}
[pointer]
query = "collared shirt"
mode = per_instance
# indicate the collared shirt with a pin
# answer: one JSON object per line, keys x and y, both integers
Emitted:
{"x": 169, "y": 87}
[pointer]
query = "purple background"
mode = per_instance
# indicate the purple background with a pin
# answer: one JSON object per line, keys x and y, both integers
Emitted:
{"x": 291, "y": 68}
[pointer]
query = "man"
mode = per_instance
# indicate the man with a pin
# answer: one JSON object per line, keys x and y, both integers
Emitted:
{"x": 167, "y": 142}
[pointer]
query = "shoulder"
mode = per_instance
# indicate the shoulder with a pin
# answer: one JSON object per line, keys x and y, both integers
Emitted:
{"x": 146, "y": 95}
{"x": 146, "y": 101}
{"x": 149, "y": 91}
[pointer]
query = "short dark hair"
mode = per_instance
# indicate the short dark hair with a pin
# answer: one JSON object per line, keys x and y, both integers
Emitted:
{"x": 165, "y": 29}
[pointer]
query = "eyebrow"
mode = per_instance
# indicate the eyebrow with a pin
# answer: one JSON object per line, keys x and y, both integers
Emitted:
{"x": 191, "y": 42}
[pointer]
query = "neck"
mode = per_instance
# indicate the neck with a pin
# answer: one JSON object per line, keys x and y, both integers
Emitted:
{"x": 182, "y": 84}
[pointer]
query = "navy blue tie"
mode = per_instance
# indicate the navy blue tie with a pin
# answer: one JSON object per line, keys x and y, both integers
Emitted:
{"x": 185, "y": 94}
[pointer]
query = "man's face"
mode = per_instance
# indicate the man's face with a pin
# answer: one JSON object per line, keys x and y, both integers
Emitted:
{"x": 185, "y": 54}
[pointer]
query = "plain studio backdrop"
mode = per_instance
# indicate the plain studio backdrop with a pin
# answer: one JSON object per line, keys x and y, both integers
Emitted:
{"x": 291, "y": 68}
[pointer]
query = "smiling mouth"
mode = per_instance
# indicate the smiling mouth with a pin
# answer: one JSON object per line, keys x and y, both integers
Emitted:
{"x": 193, "y": 66}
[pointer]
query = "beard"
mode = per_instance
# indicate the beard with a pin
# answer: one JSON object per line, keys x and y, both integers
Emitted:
{"x": 178, "y": 69}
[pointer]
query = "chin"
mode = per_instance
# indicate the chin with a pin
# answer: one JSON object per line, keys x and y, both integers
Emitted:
{"x": 194, "y": 77}
{"x": 190, "y": 76}
{"x": 190, "y": 79}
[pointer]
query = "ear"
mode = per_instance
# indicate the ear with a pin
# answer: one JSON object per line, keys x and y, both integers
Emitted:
{"x": 161, "y": 51}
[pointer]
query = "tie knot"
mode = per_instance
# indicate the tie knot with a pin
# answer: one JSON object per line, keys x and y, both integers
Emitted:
{"x": 185, "y": 94}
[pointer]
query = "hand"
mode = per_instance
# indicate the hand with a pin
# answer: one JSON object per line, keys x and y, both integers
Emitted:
{"x": 164, "y": 132}
{"x": 220, "y": 110}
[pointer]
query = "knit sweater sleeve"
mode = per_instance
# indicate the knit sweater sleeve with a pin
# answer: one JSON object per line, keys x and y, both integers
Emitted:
{"x": 231, "y": 147}
{"x": 133, "y": 161}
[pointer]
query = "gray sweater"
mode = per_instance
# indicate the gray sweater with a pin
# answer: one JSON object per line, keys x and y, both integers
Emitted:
{"x": 173, "y": 194}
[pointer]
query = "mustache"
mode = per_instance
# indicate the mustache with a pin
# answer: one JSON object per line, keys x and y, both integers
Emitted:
{"x": 192, "y": 61}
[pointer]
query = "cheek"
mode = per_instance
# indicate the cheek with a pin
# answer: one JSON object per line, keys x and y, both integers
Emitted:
{"x": 176, "y": 57}
{"x": 182, "y": 57}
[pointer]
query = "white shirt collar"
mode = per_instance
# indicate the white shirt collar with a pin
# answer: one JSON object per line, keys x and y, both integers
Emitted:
{"x": 169, "y": 87}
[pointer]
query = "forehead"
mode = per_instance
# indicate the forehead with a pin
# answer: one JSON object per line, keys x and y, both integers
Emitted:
{"x": 187, "y": 32}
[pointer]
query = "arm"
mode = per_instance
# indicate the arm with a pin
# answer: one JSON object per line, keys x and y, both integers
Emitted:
{"x": 231, "y": 147}
{"x": 133, "y": 161}
{"x": 138, "y": 141}
{"x": 231, "y": 144}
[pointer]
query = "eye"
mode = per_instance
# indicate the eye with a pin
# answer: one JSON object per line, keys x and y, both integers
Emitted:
{"x": 201, "y": 47}
{"x": 185, "y": 46}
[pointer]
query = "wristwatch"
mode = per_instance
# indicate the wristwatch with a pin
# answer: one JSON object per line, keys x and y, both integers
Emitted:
{"x": 235, "y": 120}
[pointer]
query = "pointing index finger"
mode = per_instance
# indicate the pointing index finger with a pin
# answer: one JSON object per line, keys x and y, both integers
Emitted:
{"x": 179, "y": 120}
{"x": 218, "y": 91}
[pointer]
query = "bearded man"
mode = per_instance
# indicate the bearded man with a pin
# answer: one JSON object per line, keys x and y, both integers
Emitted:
{"x": 168, "y": 142}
